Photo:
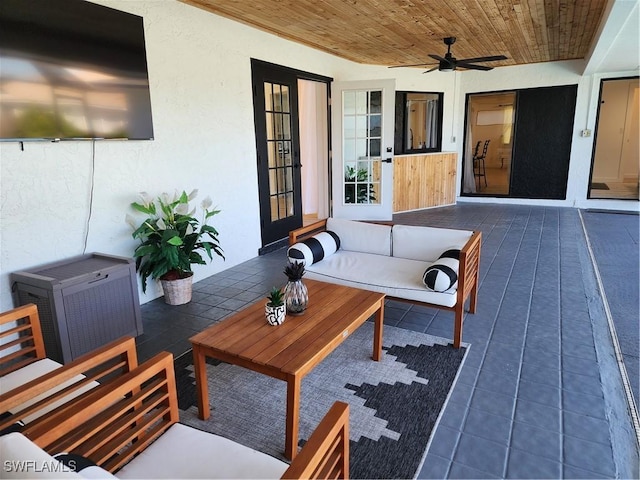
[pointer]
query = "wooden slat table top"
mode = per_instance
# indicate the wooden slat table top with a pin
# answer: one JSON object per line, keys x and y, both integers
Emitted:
{"x": 294, "y": 347}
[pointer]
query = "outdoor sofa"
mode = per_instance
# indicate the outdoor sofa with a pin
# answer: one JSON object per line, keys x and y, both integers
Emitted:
{"x": 430, "y": 266}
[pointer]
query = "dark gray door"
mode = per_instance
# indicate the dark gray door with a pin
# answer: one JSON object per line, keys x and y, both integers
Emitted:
{"x": 275, "y": 106}
{"x": 542, "y": 142}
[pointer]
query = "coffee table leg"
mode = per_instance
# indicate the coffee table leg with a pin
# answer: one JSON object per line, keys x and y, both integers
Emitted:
{"x": 377, "y": 338}
{"x": 293, "y": 417}
{"x": 202, "y": 391}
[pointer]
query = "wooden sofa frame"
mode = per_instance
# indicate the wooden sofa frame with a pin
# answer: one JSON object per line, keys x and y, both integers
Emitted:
{"x": 468, "y": 274}
{"x": 100, "y": 365}
{"x": 112, "y": 423}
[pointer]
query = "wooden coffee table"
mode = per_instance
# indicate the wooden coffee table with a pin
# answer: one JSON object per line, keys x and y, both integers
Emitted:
{"x": 291, "y": 350}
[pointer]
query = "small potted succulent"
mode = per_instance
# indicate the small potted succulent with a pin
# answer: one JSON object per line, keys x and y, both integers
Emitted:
{"x": 275, "y": 309}
{"x": 296, "y": 295}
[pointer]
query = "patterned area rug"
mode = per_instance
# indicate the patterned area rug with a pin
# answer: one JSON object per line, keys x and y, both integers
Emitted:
{"x": 395, "y": 403}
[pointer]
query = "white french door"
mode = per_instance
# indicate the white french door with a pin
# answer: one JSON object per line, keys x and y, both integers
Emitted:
{"x": 362, "y": 117}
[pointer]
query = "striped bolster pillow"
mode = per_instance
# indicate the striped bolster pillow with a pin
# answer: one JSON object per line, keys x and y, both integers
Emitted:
{"x": 83, "y": 466}
{"x": 314, "y": 249}
{"x": 442, "y": 275}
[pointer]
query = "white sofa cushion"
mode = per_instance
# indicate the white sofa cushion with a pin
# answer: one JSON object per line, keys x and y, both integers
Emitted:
{"x": 34, "y": 370}
{"x": 185, "y": 452}
{"x": 397, "y": 277}
{"x": 314, "y": 249}
{"x": 361, "y": 236}
{"x": 426, "y": 243}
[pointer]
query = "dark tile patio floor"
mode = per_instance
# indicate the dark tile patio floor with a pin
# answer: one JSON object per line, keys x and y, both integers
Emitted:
{"x": 540, "y": 394}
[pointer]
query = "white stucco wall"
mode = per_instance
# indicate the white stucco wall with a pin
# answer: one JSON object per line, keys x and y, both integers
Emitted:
{"x": 200, "y": 76}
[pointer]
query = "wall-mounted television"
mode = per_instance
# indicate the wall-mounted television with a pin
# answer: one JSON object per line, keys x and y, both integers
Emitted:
{"x": 72, "y": 69}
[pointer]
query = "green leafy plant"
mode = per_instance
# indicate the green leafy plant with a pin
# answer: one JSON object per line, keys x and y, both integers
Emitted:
{"x": 294, "y": 271}
{"x": 357, "y": 188}
{"x": 275, "y": 297}
{"x": 171, "y": 237}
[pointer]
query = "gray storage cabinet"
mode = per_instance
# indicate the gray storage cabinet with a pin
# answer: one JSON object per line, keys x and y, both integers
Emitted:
{"x": 83, "y": 302}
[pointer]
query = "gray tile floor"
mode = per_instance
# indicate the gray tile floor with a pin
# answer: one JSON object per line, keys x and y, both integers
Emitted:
{"x": 539, "y": 396}
{"x": 614, "y": 240}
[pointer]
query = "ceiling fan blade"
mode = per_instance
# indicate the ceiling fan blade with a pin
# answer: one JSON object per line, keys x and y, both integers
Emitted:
{"x": 483, "y": 59}
{"x": 414, "y": 65}
{"x": 438, "y": 57}
{"x": 471, "y": 66}
{"x": 432, "y": 69}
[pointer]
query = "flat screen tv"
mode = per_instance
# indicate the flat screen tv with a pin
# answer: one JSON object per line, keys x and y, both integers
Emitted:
{"x": 72, "y": 69}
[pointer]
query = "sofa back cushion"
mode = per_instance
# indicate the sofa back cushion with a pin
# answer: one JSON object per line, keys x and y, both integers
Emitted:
{"x": 426, "y": 243}
{"x": 361, "y": 236}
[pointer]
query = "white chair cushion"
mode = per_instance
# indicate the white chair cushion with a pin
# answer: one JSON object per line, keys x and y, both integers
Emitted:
{"x": 27, "y": 373}
{"x": 21, "y": 458}
{"x": 361, "y": 236}
{"x": 34, "y": 370}
{"x": 426, "y": 243}
{"x": 185, "y": 452}
{"x": 397, "y": 277}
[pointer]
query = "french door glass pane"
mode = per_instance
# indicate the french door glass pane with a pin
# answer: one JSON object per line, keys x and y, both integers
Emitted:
{"x": 361, "y": 134}
{"x": 279, "y": 144}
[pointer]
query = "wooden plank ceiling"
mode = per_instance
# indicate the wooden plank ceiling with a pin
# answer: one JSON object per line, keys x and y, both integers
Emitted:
{"x": 403, "y": 32}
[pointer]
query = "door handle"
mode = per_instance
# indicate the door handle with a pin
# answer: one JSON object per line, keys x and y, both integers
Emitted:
{"x": 387, "y": 160}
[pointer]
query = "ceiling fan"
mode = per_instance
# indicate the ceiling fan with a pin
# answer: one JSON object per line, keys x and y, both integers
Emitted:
{"x": 449, "y": 63}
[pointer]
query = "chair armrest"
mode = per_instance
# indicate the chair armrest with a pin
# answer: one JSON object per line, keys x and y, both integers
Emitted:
{"x": 469, "y": 266}
{"x": 113, "y": 422}
{"x": 99, "y": 365}
{"x": 326, "y": 454}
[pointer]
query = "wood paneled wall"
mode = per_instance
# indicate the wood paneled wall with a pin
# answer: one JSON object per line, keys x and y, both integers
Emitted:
{"x": 423, "y": 181}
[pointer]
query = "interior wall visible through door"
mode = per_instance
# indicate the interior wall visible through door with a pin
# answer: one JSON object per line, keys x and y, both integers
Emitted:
{"x": 487, "y": 163}
{"x": 314, "y": 149}
{"x": 616, "y": 158}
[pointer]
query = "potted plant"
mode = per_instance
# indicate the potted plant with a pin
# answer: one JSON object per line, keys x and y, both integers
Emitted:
{"x": 296, "y": 295}
{"x": 357, "y": 186}
{"x": 275, "y": 309}
{"x": 171, "y": 240}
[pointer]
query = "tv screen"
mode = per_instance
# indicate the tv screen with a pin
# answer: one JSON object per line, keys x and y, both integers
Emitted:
{"x": 71, "y": 69}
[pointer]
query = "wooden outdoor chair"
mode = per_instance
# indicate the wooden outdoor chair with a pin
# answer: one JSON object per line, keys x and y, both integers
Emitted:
{"x": 130, "y": 427}
{"x": 32, "y": 385}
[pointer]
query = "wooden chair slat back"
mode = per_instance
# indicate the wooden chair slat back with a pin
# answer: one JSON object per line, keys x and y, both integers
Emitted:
{"x": 100, "y": 365}
{"x": 113, "y": 422}
{"x": 25, "y": 337}
{"x": 326, "y": 454}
